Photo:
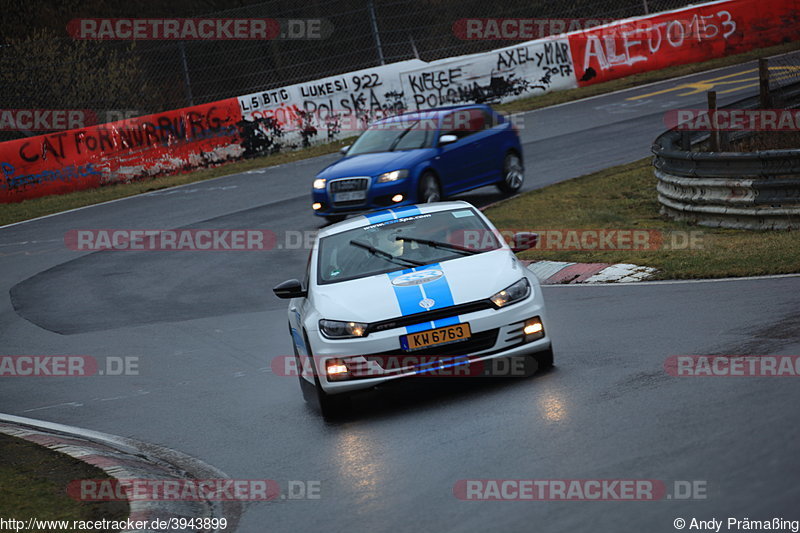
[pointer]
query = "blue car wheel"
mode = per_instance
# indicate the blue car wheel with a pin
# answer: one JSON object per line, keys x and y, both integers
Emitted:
{"x": 513, "y": 174}
{"x": 429, "y": 190}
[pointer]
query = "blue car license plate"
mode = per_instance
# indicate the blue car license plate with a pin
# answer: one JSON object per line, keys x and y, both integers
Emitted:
{"x": 349, "y": 196}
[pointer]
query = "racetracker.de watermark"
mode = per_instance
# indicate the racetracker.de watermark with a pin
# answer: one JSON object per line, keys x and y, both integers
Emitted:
{"x": 192, "y": 240}
{"x": 67, "y": 366}
{"x": 193, "y": 29}
{"x": 733, "y": 120}
{"x": 733, "y": 366}
{"x": 219, "y": 489}
{"x": 622, "y": 239}
{"x": 456, "y": 366}
{"x": 46, "y": 119}
{"x": 624, "y": 34}
{"x": 520, "y": 29}
{"x": 578, "y": 490}
{"x": 319, "y": 114}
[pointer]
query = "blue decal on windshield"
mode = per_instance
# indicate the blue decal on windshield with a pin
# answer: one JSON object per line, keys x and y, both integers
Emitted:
{"x": 380, "y": 216}
{"x": 392, "y": 214}
{"x": 408, "y": 211}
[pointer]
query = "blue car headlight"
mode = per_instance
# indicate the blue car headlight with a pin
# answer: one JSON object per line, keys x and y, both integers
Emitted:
{"x": 513, "y": 293}
{"x": 395, "y": 175}
{"x": 320, "y": 183}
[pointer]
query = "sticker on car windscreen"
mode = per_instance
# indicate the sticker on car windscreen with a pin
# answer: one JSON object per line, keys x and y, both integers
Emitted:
{"x": 461, "y": 214}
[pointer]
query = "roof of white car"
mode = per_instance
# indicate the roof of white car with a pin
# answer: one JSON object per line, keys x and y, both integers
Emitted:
{"x": 375, "y": 217}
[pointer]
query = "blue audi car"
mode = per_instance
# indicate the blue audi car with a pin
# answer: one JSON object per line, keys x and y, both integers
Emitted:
{"x": 419, "y": 157}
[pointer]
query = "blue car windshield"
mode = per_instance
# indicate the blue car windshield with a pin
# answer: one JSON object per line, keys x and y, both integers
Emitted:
{"x": 403, "y": 243}
{"x": 392, "y": 137}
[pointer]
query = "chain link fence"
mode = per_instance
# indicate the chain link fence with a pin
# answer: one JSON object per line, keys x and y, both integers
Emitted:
{"x": 116, "y": 79}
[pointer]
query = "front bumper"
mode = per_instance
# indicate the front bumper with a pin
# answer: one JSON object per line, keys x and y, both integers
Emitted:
{"x": 495, "y": 335}
{"x": 379, "y": 196}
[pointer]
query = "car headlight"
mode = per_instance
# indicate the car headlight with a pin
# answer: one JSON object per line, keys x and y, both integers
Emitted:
{"x": 518, "y": 291}
{"x": 336, "y": 329}
{"x": 394, "y": 175}
{"x": 320, "y": 183}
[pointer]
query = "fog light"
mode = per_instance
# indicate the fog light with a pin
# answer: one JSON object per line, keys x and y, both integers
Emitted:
{"x": 530, "y": 329}
{"x": 533, "y": 328}
{"x": 336, "y": 369}
{"x": 397, "y": 198}
{"x": 316, "y": 206}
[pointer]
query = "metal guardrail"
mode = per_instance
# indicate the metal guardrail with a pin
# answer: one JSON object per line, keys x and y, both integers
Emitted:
{"x": 756, "y": 190}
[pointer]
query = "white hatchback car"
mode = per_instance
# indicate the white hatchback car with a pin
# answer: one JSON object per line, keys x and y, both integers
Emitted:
{"x": 409, "y": 291}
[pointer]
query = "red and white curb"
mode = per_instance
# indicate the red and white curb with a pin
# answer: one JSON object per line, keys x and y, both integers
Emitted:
{"x": 124, "y": 458}
{"x": 562, "y": 273}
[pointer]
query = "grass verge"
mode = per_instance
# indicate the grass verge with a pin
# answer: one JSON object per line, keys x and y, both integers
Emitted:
{"x": 624, "y": 198}
{"x": 33, "y": 208}
{"x": 33, "y": 481}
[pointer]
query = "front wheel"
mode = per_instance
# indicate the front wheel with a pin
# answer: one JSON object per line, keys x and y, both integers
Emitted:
{"x": 429, "y": 190}
{"x": 544, "y": 359}
{"x": 332, "y": 406}
{"x": 513, "y": 174}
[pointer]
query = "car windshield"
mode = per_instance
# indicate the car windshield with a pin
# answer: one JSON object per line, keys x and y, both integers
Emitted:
{"x": 393, "y": 137}
{"x": 403, "y": 243}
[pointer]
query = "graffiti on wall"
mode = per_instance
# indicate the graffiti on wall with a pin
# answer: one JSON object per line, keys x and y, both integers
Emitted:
{"x": 518, "y": 71}
{"x": 324, "y": 110}
{"x": 121, "y": 151}
{"x": 683, "y": 36}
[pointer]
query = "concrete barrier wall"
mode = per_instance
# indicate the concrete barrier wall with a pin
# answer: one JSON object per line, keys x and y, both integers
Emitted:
{"x": 689, "y": 35}
{"x": 118, "y": 152}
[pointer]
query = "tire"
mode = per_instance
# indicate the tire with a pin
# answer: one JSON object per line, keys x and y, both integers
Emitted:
{"x": 429, "y": 189}
{"x": 333, "y": 219}
{"x": 513, "y": 174}
{"x": 305, "y": 387}
{"x": 544, "y": 359}
{"x": 331, "y": 406}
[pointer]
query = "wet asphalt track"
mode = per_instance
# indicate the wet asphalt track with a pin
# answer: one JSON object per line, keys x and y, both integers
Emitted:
{"x": 205, "y": 327}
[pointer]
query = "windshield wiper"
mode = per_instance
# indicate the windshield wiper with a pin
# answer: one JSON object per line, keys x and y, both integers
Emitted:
{"x": 438, "y": 244}
{"x": 400, "y": 137}
{"x": 386, "y": 255}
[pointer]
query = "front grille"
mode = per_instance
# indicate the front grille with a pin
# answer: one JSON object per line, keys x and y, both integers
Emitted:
{"x": 477, "y": 343}
{"x": 349, "y": 184}
{"x": 428, "y": 316}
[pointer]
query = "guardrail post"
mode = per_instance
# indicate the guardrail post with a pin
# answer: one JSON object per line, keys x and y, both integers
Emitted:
{"x": 187, "y": 82}
{"x": 763, "y": 83}
{"x": 712, "y": 112}
{"x": 686, "y": 141}
{"x": 375, "y": 33}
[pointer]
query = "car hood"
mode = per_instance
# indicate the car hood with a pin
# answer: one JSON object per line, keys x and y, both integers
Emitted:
{"x": 373, "y": 164}
{"x": 387, "y": 296}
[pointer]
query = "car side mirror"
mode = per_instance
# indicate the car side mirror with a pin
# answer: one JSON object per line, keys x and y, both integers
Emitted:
{"x": 447, "y": 139}
{"x": 344, "y": 149}
{"x": 524, "y": 240}
{"x": 290, "y": 289}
